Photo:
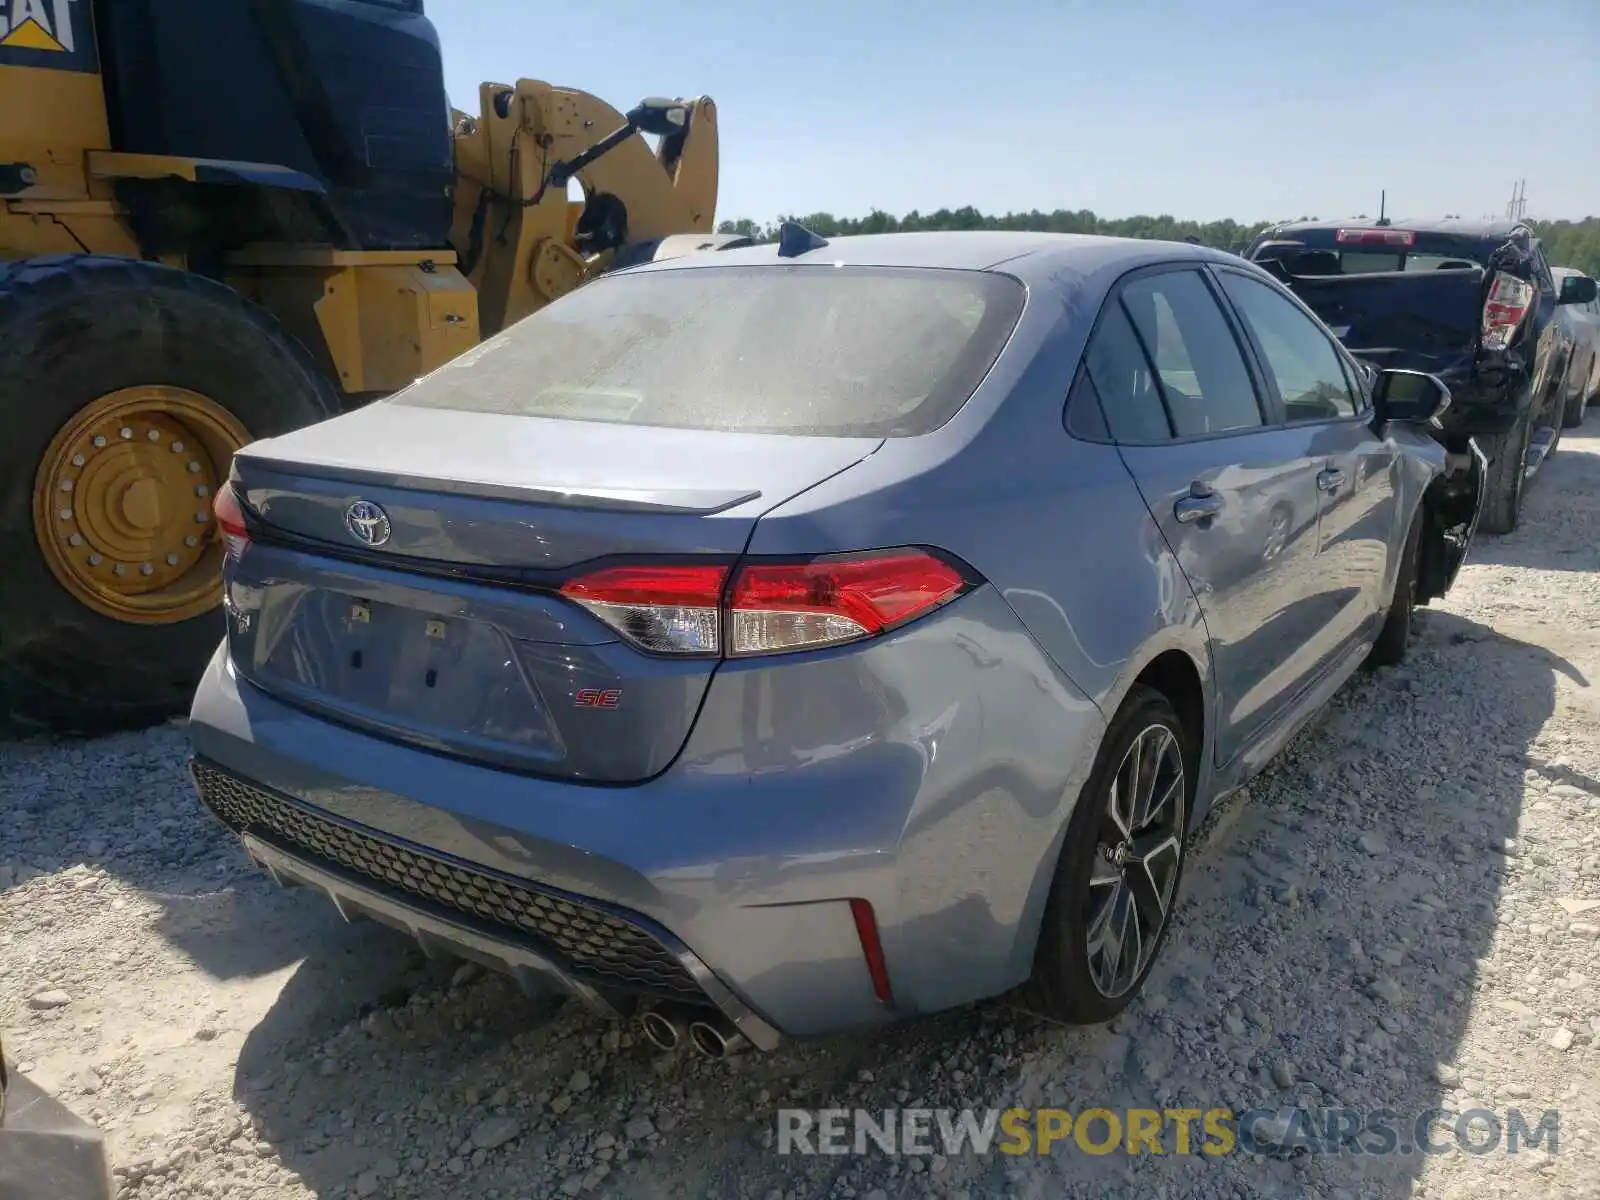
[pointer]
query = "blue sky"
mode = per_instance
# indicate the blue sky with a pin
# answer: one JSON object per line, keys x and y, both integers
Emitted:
{"x": 1201, "y": 110}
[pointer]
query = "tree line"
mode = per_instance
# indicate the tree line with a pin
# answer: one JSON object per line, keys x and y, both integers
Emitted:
{"x": 1567, "y": 243}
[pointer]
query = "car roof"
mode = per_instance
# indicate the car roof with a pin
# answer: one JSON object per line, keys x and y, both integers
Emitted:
{"x": 1469, "y": 227}
{"x": 1031, "y": 257}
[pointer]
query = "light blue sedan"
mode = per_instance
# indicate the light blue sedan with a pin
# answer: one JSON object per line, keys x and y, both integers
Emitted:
{"x": 780, "y": 640}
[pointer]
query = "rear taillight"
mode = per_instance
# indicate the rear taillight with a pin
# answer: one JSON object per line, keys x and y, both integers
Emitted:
{"x": 667, "y": 609}
{"x": 1509, "y": 300}
{"x": 795, "y": 606}
{"x": 769, "y": 606}
{"x": 1375, "y": 237}
{"x": 230, "y": 522}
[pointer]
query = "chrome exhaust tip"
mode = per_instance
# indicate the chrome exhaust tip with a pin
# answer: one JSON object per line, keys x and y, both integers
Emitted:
{"x": 663, "y": 1029}
{"x": 716, "y": 1039}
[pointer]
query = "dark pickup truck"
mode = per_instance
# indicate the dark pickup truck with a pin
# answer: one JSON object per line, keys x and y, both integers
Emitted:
{"x": 1472, "y": 302}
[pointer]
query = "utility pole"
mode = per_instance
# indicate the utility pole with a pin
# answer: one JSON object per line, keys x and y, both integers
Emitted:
{"x": 1519, "y": 200}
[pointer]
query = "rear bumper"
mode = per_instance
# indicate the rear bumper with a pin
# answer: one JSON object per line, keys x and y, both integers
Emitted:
{"x": 930, "y": 774}
{"x": 47, "y": 1152}
{"x": 441, "y": 935}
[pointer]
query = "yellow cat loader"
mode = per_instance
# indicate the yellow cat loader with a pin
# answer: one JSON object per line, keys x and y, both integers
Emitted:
{"x": 224, "y": 219}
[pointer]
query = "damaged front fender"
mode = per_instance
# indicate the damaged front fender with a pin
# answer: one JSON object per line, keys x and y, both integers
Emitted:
{"x": 1451, "y": 506}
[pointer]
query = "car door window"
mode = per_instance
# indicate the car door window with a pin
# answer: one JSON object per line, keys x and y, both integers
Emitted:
{"x": 1120, "y": 374}
{"x": 1203, "y": 378}
{"x": 1300, "y": 358}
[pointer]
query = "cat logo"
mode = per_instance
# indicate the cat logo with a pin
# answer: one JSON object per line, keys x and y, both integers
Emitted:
{"x": 47, "y": 33}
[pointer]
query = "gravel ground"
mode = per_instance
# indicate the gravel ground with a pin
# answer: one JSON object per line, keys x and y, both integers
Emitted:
{"x": 1403, "y": 914}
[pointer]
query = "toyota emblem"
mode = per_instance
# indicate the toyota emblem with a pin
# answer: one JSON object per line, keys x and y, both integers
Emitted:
{"x": 367, "y": 523}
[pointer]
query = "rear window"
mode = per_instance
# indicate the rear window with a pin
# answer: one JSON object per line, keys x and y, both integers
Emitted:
{"x": 1366, "y": 262}
{"x": 826, "y": 351}
{"x": 1319, "y": 252}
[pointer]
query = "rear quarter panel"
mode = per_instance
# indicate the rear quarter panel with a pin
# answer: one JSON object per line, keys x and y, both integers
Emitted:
{"x": 1055, "y": 525}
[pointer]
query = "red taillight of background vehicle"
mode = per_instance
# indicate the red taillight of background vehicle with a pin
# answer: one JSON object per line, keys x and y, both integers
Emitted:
{"x": 798, "y": 606}
{"x": 1509, "y": 300}
{"x": 771, "y": 606}
{"x": 1375, "y": 237}
{"x": 665, "y": 609}
{"x": 230, "y": 522}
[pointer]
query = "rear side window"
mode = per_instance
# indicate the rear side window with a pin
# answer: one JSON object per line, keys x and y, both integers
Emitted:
{"x": 1085, "y": 417}
{"x": 1121, "y": 375}
{"x": 819, "y": 350}
{"x": 1203, "y": 377}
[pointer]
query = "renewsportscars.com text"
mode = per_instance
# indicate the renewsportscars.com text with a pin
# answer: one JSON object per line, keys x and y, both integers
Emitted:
{"x": 1214, "y": 1131}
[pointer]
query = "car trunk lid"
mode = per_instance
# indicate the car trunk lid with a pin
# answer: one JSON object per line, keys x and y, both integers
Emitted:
{"x": 405, "y": 568}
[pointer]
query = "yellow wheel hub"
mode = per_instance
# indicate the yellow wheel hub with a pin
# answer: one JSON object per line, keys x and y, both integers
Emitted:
{"x": 122, "y": 503}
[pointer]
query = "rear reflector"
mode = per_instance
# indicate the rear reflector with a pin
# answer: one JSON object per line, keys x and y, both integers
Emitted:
{"x": 1509, "y": 300}
{"x": 1375, "y": 237}
{"x": 872, "y": 948}
{"x": 230, "y": 522}
{"x": 771, "y": 606}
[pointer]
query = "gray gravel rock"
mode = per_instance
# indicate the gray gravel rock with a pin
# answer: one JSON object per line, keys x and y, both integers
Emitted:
{"x": 495, "y": 1132}
{"x": 1385, "y": 989}
{"x": 1347, "y": 938}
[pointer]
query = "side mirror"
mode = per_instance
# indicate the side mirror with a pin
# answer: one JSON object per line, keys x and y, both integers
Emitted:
{"x": 1577, "y": 289}
{"x": 1409, "y": 396}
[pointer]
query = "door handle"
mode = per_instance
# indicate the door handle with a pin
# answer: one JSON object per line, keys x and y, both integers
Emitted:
{"x": 1330, "y": 480}
{"x": 1194, "y": 508}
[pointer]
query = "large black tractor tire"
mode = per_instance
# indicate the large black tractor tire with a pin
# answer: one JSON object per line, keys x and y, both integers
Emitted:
{"x": 1507, "y": 476}
{"x": 74, "y": 329}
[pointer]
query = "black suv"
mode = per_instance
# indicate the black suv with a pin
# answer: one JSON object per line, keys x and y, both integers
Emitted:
{"x": 1472, "y": 302}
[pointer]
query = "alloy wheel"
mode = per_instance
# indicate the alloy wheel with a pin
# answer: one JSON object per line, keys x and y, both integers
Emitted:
{"x": 1136, "y": 861}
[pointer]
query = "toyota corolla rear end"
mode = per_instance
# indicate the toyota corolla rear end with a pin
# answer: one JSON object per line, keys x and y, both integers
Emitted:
{"x": 501, "y": 669}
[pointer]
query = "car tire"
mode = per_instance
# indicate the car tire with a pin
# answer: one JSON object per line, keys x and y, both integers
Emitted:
{"x": 1073, "y": 981}
{"x": 1572, "y": 416}
{"x": 1507, "y": 475}
{"x": 1394, "y": 639}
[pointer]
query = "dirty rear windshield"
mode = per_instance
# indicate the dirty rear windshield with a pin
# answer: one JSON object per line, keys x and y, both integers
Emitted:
{"x": 820, "y": 350}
